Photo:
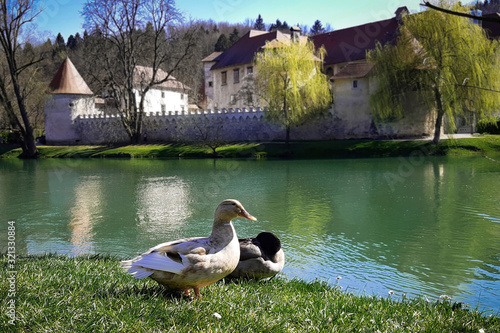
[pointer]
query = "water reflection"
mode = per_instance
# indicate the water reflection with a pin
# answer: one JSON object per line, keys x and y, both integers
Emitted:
{"x": 162, "y": 205}
{"x": 88, "y": 202}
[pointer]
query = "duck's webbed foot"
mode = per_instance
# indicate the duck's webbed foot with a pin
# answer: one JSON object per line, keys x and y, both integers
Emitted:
{"x": 196, "y": 293}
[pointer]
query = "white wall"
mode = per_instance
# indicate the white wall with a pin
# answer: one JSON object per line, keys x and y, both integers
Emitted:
{"x": 233, "y": 94}
{"x": 170, "y": 101}
{"x": 61, "y": 110}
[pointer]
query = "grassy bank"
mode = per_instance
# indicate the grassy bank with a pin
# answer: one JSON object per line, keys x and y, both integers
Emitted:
{"x": 483, "y": 145}
{"x": 87, "y": 294}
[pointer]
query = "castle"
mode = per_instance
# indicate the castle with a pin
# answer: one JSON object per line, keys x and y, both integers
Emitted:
{"x": 74, "y": 116}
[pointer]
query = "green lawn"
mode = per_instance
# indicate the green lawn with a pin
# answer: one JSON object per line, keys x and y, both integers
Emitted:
{"x": 481, "y": 145}
{"x": 92, "y": 294}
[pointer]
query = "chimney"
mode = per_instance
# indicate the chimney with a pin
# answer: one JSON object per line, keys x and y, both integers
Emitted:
{"x": 295, "y": 33}
{"x": 401, "y": 12}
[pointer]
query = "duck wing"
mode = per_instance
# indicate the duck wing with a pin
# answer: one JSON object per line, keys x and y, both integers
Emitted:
{"x": 249, "y": 249}
{"x": 168, "y": 257}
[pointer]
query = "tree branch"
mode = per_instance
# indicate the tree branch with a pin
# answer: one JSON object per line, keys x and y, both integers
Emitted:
{"x": 451, "y": 12}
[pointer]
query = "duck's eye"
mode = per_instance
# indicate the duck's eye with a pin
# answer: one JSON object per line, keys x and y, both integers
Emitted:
{"x": 234, "y": 204}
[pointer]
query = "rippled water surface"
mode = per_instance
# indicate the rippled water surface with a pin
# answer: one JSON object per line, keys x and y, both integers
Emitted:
{"x": 416, "y": 226}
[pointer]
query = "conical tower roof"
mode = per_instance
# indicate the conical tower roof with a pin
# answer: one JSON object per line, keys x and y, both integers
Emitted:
{"x": 68, "y": 81}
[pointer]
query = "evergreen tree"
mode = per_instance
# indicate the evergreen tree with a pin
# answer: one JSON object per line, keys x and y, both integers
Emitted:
{"x": 276, "y": 26}
{"x": 283, "y": 27}
{"x": 78, "y": 39}
{"x": 60, "y": 44}
{"x": 317, "y": 28}
{"x": 222, "y": 43}
{"x": 234, "y": 36}
{"x": 71, "y": 44}
{"x": 259, "y": 24}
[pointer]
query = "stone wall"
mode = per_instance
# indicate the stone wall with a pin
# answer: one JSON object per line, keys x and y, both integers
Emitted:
{"x": 220, "y": 125}
{"x": 243, "y": 125}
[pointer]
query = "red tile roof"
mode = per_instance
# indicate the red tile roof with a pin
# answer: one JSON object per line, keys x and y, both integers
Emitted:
{"x": 68, "y": 81}
{"x": 211, "y": 57}
{"x": 145, "y": 73}
{"x": 351, "y": 44}
{"x": 354, "y": 70}
{"x": 243, "y": 51}
{"x": 492, "y": 28}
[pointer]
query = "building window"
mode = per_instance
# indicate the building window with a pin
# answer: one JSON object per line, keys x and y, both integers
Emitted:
{"x": 162, "y": 94}
{"x": 236, "y": 75}
{"x": 224, "y": 78}
{"x": 210, "y": 84}
{"x": 232, "y": 99}
{"x": 329, "y": 72}
{"x": 354, "y": 84}
{"x": 249, "y": 70}
{"x": 163, "y": 108}
{"x": 182, "y": 96}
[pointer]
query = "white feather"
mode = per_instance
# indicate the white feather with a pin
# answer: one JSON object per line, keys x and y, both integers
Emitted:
{"x": 159, "y": 262}
{"x": 126, "y": 264}
{"x": 139, "y": 272}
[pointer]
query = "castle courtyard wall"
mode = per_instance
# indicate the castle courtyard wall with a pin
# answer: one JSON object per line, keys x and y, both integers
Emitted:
{"x": 244, "y": 125}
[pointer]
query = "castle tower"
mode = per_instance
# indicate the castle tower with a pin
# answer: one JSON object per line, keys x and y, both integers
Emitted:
{"x": 70, "y": 98}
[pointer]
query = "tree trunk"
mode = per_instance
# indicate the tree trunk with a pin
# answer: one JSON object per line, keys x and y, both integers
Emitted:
{"x": 28, "y": 145}
{"x": 439, "y": 118}
{"x": 285, "y": 112}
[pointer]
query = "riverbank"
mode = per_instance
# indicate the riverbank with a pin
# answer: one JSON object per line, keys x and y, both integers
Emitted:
{"x": 481, "y": 145}
{"x": 87, "y": 294}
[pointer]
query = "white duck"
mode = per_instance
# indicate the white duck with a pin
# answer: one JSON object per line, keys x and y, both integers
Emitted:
{"x": 260, "y": 257}
{"x": 193, "y": 263}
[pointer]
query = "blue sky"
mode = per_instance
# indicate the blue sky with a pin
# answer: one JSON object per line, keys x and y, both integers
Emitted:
{"x": 64, "y": 15}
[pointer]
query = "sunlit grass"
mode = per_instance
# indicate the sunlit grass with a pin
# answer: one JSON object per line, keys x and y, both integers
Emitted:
{"x": 479, "y": 146}
{"x": 92, "y": 294}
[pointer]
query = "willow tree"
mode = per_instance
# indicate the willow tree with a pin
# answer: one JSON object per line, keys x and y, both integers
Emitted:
{"x": 446, "y": 60}
{"x": 290, "y": 82}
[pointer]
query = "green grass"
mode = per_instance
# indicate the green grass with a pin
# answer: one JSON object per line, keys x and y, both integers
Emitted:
{"x": 92, "y": 294}
{"x": 481, "y": 145}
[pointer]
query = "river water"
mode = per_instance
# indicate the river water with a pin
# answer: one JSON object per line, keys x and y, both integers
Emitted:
{"x": 417, "y": 226}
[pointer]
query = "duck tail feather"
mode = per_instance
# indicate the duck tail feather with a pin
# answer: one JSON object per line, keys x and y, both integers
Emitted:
{"x": 126, "y": 264}
{"x": 139, "y": 272}
{"x": 159, "y": 262}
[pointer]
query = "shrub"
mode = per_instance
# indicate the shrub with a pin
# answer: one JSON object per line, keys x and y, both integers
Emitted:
{"x": 484, "y": 126}
{"x": 10, "y": 137}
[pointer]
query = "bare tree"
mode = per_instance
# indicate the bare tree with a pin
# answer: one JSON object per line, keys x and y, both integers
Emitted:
{"x": 137, "y": 33}
{"x": 15, "y": 19}
{"x": 205, "y": 130}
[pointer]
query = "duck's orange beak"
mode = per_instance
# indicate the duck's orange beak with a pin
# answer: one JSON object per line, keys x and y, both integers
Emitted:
{"x": 245, "y": 214}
